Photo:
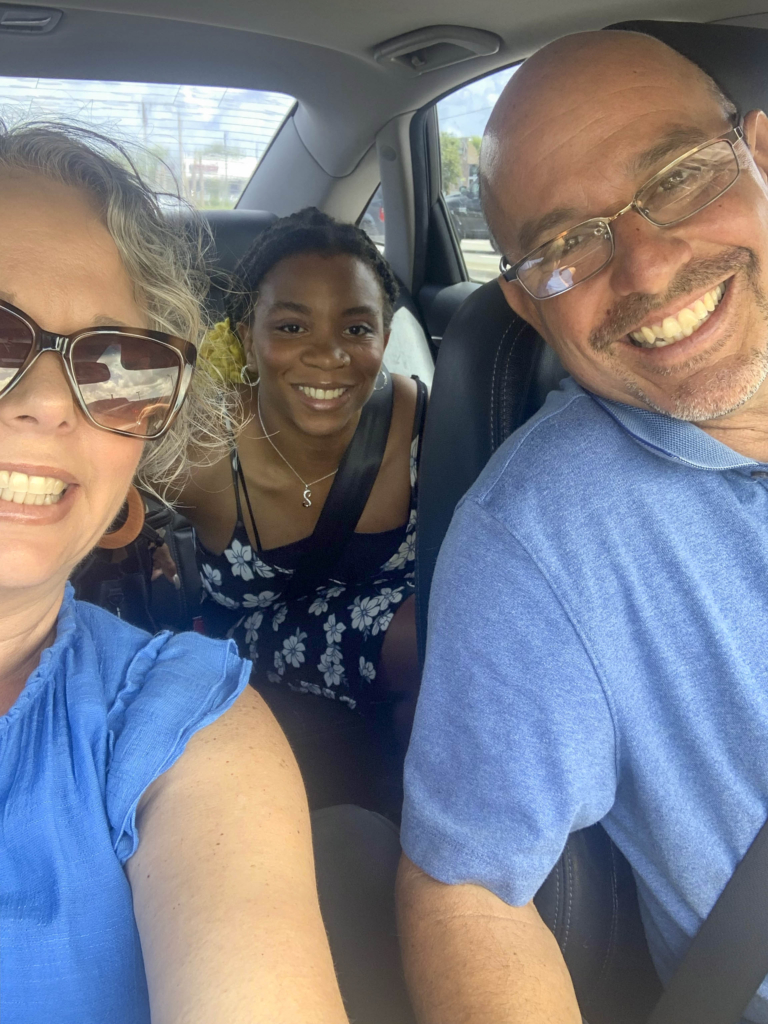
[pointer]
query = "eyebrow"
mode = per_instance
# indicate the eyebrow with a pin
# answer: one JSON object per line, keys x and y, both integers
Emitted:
{"x": 108, "y": 321}
{"x": 102, "y": 320}
{"x": 361, "y": 311}
{"x": 298, "y": 307}
{"x": 679, "y": 137}
{"x": 532, "y": 230}
{"x": 290, "y": 307}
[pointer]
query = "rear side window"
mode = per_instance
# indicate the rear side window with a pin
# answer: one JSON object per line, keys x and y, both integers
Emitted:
{"x": 208, "y": 140}
{"x": 462, "y": 117}
{"x": 372, "y": 222}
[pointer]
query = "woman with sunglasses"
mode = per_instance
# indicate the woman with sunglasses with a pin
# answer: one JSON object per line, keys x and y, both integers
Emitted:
{"x": 142, "y": 875}
{"x": 331, "y": 632}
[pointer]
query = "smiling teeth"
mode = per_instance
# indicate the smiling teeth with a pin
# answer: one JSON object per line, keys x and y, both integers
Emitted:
{"x": 30, "y": 490}
{"x": 683, "y": 325}
{"x": 321, "y": 394}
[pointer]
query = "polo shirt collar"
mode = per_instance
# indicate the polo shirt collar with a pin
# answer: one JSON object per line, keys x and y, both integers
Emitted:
{"x": 674, "y": 439}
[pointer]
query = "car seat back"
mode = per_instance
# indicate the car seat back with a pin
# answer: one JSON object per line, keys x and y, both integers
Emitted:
{"x": 232, "y": 234}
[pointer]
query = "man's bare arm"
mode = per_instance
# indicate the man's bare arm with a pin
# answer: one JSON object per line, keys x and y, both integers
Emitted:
{"x": 470, "y": 958}
{"x": 224, "y": 885}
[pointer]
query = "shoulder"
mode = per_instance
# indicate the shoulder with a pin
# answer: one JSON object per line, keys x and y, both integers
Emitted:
{"x": 129, "y": 663}
{"x": 405, "y": 395}
{"x": 173, "y": 687}
{"x": 557, "y": 463}
{"x": 111, "y": 642}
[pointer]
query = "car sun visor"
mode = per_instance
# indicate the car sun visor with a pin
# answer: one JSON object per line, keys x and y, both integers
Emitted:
{"x": 735, "y": 56}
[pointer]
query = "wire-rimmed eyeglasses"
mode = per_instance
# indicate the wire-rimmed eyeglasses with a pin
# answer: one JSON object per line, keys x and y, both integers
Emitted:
{"x": 684, "y": 187}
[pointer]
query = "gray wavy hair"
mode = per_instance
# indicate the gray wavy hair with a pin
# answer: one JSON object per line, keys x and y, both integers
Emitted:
{"x": 165, "y": 259}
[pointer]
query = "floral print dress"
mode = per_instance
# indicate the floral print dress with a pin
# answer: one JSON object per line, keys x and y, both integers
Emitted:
{"x": 327, "y": 643}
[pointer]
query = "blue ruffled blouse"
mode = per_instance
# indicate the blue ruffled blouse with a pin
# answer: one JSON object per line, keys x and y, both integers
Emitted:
{"x": 107, "y": 711}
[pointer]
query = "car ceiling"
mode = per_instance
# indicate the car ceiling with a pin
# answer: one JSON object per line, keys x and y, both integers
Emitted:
{"x": 320, "y": 51}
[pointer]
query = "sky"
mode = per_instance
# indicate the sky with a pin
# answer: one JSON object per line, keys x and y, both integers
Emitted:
{"x": 170, "y": 119}
{"x": 184, "y": 121}
{"x": 466, "y": 111}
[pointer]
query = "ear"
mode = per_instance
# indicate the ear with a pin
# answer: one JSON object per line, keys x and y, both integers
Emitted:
{"x": 387, "y": 335}
{"x": 756, "y": 137}
{"x": 521, "y": 302}
{"x": 243, "y": 331}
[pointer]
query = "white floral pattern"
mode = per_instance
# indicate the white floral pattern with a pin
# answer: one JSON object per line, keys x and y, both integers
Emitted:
{"x": 262, "y": 600}
{"x": 261, "y": 568}
{"x": 333, "y": 630}
{"x": 239, "y": 556}
{"x": 210, "y": 578}
{"x": 355, "y": 608}
{"x": 367, "y": 671}
{"x": 251, "y": 626}
{"x": 404, "y": 554}
{"x": 332, "y": 669}
{"x": 279, "y": 617}
{"x": 414, "y": 460}
{"x": 293, "y": 649}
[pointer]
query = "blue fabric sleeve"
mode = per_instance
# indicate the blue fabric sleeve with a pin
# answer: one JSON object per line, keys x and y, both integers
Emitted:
{"x": 513, "y": 744}
{"x": 174, "y": 686}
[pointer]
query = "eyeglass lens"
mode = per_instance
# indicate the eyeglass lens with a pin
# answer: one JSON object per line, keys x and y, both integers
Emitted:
{"x": 686, "y": 188}
{"x": 15, "y": 343}
{"x": 126, "y": 383}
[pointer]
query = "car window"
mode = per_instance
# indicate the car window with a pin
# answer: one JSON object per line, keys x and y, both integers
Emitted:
{"x": 207, "y": 139}
{"x": 372, "y": 221}
{"x": 462, "y": 118}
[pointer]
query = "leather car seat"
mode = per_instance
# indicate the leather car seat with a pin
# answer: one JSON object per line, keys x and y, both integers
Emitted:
{"x": 493, "y": 372}
{"x": 232, "y": 234}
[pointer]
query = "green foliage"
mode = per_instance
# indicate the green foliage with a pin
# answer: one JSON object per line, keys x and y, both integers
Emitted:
{"x": 450, "y": 160}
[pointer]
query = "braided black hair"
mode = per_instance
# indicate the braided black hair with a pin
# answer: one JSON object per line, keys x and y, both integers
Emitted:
{"x": 308, "y": 231}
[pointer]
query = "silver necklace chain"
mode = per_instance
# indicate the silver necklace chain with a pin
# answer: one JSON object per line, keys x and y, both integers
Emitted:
{"x": 306, "y": 499}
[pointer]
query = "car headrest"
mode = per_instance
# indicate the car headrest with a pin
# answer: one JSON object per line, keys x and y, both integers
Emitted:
{"x": 733, "y": 55}
{"x": 233, "y": 234}
{"x": 493, "y": 372}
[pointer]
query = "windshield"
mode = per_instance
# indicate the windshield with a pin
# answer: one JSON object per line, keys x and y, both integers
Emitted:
{"x": 210, "y": 139}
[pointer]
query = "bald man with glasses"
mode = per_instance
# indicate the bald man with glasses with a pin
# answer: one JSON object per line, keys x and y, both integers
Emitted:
{"x": 605, "y": 661}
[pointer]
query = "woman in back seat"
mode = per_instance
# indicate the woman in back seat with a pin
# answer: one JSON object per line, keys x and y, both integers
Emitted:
{"x": 314, "y": 320}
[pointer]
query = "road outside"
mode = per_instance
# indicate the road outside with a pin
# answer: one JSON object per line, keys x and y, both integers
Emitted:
{"x": 481, "y": 261}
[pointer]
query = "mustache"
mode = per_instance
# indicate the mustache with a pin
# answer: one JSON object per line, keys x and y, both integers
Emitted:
{"x": 698, "y": 275}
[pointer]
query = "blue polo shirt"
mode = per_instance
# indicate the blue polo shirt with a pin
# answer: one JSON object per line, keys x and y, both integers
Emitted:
{"x": 597, "y": 653}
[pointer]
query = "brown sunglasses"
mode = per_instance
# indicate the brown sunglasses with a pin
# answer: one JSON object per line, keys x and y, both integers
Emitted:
{"x": 126, "y": 380}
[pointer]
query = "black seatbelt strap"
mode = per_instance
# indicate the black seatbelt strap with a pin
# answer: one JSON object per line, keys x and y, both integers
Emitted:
{"x": 348, "y": 495}
{"x": 728, "y": 958}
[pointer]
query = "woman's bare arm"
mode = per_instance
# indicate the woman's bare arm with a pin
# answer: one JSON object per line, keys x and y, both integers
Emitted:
{"x": 470, "y": 958}
{"x": 224, "y": 886}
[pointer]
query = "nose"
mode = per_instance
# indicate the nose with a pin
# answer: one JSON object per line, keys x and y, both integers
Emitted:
{"x": 326, "y": 352}
{"x": 647, "y": 258}
{"x": 42, "y": 402}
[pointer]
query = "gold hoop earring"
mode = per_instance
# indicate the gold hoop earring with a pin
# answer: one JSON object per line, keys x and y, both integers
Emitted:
{"x": 131, "y": 528}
